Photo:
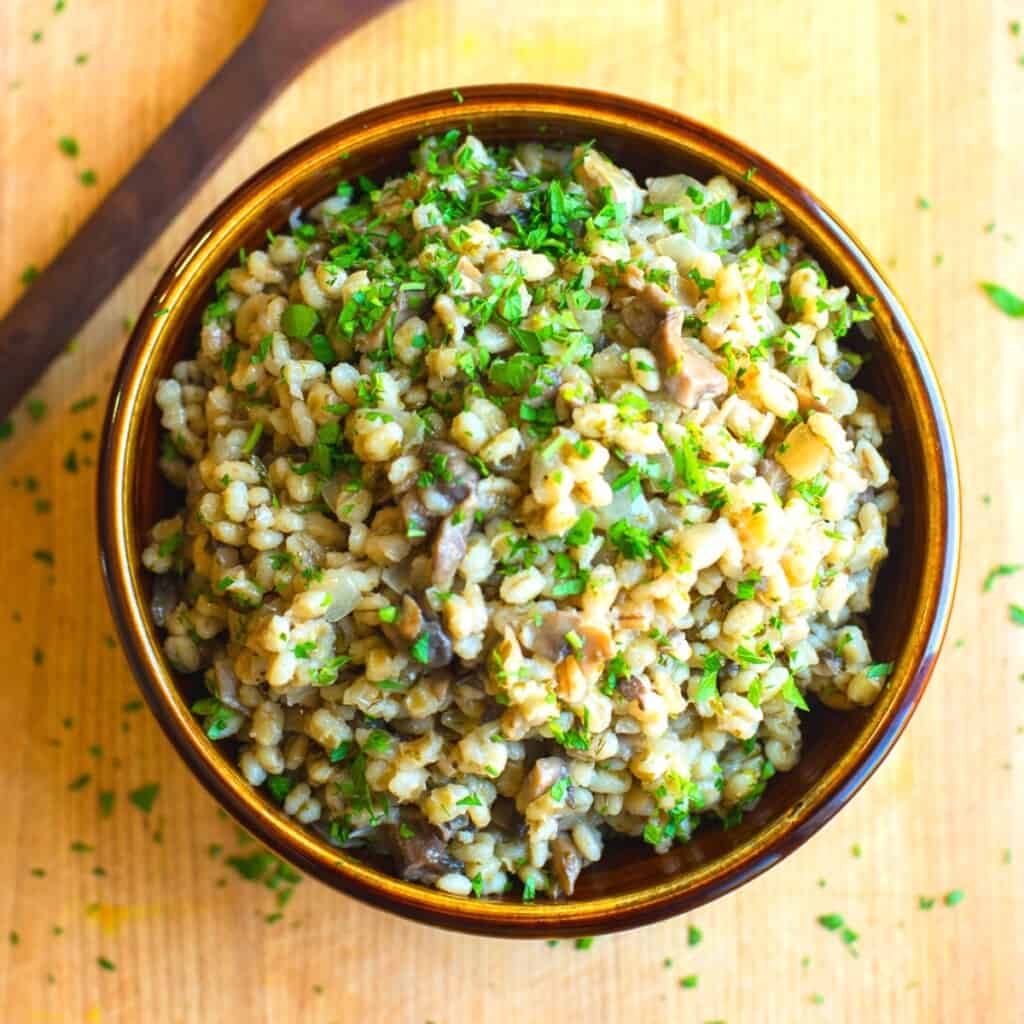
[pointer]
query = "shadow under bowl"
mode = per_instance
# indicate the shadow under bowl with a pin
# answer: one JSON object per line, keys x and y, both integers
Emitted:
{"x": 632, "y": 885}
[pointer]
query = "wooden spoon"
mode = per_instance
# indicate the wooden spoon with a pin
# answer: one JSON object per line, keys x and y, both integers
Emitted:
{"x": 287, "y": 35}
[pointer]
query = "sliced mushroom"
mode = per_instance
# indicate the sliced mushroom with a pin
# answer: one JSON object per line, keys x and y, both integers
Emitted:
{"x": 567, "y": 863}
{"x": 510, "y": 202}
{"x": 419, "y": 852}
{"x": 166, "y": 595}
{"x": 469, "y": 277}
{"x": 634, "y": 688}
{"x": 226, "y": 684}
{"x": 451, "y": 480}
{"x": 416, "y": 518}
{"x": 450, "y": 543}
{"x": 410, "y": 623}
{"x": 412, "y": 626}
{"x": 507, "y": 818}
{"x": 549, "y": 638}
{"x": 405, "y": 305}
{"x": 688, "y": 376}
{"x": 545, "y": 385}
{"x": 546, "y": 771}
{"x": 643, "y": 313}
{"x": 449, "y": 828}
{"x": 775, "y": 475}
{"x": 597, "y": 644}
{"x": 595, "y": 172}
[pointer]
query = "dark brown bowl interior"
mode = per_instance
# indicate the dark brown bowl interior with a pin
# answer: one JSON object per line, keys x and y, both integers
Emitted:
{"x": 913, "y": 593}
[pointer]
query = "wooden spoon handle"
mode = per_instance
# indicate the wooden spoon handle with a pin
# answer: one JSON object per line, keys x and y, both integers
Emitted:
{"x": 286, "y": 37}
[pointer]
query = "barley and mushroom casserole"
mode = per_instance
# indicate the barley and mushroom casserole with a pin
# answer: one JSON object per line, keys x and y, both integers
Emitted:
{"x": 524, "y": 506}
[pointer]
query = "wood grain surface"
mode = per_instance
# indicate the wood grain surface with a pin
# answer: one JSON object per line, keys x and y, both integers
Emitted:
{"x": 906, "y": 117}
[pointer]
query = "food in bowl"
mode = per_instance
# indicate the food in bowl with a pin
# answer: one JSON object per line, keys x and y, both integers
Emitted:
{"x": 524, "y": 506}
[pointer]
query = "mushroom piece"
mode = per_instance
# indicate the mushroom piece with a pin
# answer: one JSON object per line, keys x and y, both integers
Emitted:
{"x": 226, "y": 684}
{"x": 549, "y": 638}
{"x": 414, "y": 514}
{"x": 545, "y": 385}
{"x": 634, "y": 688}
{"x": 567, "y": 863}
{"x": 507, "y": 818}
{"x": 410, "y": 622}
{"x": 419, "y": 852}
{"x": 166, "y": 595}
{"x": 468, "y": 277}
{"x": 775, "y": 475}
{"x": 450, "y": 543}
{"x": 510, "y": 203}
{"x": 597, "y": 644}
{"x": 688, "y": 375}
{"x": 644, "y": 311}
{"x": 595, "y": 172}
{"x": 405, "y": 305}
{"x": 412, "y": 625}
{"x": 448, "y": 828}
{"x": 546, "y": 771}
{"x": 450, "y": 477}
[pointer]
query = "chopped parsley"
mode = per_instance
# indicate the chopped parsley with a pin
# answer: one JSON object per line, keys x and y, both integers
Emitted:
{"x": 145, "y": 796}
{"x": 707, "y": 688}
{"x": 84, "y": 403}
{"x": 718, "y": 213}
{"x": 1003, "y": 299}
{"x": 419, "y": 650}
{"x": 791, "y": 694}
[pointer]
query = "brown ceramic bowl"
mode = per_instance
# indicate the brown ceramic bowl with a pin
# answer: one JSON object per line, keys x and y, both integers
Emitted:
{"x": 632, "y": 885}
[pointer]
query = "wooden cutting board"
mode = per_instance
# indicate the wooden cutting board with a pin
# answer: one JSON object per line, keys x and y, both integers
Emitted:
{"x": 139, "y": 916}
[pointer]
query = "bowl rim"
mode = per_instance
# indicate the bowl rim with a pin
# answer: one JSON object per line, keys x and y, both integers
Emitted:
{"x": 767, "y": 846}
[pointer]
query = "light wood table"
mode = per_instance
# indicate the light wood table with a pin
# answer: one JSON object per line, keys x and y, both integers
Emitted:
{"x": 874, "y": 104}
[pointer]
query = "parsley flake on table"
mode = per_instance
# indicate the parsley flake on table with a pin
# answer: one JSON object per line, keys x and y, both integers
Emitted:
{"x": 1003, "y": 299}
{"x": 999, "y": 571}
{"x": 84, "y": 403}
{"x": 1017, "y": 615}
{"x": 145, "y": 796}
